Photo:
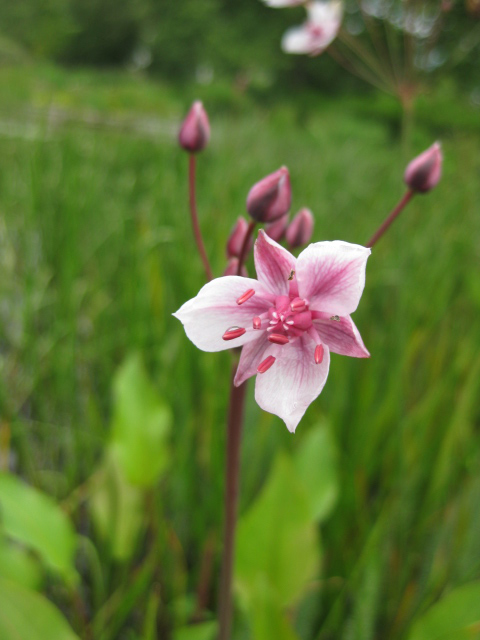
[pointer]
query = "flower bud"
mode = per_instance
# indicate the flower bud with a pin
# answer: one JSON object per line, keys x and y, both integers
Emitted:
{"x": 300, "y": 229}
{"x": 236, "y": 239}
{"x": 424, "y": 171}
{"x": 232, "y": 268}
{"x": 195, "y": 131}
{"x": 276, "y": 230}
{"x": 270, "y": 199}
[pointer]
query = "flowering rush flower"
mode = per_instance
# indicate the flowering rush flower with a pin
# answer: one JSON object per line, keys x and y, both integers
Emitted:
{"x": 288, "y": 321}
{"x": 320, "y": 29}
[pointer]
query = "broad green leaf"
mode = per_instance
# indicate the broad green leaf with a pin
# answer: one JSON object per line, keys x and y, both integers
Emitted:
{"x": 316, "y": 466}
{"x": 267, "y": 618}
{"x": 455, "y": 616}
{"x": 117, "y": 508}
{"x": 141, "y": 425}
{"x": 17, "y": 564}
{"x": 277, "y": 544}
{"x": 201, "y": 631}
{"x": 32, "y": 517}
{"x": 27, "y": 615}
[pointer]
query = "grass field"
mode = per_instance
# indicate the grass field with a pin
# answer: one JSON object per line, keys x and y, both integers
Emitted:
{"x": 96, "y": 252}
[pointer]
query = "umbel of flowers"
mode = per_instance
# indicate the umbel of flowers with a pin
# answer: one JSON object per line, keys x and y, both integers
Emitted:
{"x": 291, "y": 317}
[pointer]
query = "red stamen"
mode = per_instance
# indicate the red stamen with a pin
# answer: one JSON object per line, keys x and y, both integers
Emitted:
{"x": 246, "y": 296}
{"x": 266, "y": 364}
{"x": 257, "y": 323}
{"x": 319, "y": 353}
{"x": 233, "y": 332}
{"x": 278, "y": 338}
{"x": 298, "y": 304}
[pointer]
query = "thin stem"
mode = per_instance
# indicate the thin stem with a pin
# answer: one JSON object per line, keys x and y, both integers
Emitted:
{"x": 383, "y": 227}
{"x": 232, "y": 471}
{"x": 246, "y": 240}
{"x": 193, "y": 212}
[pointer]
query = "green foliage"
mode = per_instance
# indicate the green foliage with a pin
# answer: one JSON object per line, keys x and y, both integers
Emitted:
{"x": 26, "y": 614}
{"x": 17, "y": 564}
{"x": 33, "y": 518}
{"x": 455, "y": 616}
{"x": 140, "y": 427}
{"x": 316, "y": 467}
{"x": 276, "y": 529}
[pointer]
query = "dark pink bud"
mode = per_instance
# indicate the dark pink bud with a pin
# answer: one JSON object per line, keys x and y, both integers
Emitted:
{"x": 299, "y": 231}
{"x": 424, "y": 171}
{"x": 237, "y": 236}
{"x": 232, "y": 267}
{"x": 270, "y": 199}
{"x": 276, "y": 230}
{"x": 195, "y": 132}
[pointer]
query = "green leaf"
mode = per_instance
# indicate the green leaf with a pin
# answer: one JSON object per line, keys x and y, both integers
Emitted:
{"x": 117, "y": 508}
{"x": 27, "y": 615}
{"x": 316, "y": 466}
{"x": 277, "y": 545}
{"x": 17, "y": 564}
{"x": 202, "y": 631}
{"x": 32, "y": 517}
{"x": 455, "y": 616}
{"x": 141, "y": 425}
{"x": 267, "y": 618}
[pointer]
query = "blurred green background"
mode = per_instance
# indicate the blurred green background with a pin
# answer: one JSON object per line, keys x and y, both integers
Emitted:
{"x": 364, "y": 524}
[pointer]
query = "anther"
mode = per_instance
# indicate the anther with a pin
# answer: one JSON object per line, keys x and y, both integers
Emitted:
{"x": 246, "y": 296}
{"x": 257, "y": 323}
{"x": 266, "y": 364}
{"x": 298, "y": 304}
{"x": 319, "y": 353}
{"x": 233, "y": 332}
{"x": 278, "y": 338}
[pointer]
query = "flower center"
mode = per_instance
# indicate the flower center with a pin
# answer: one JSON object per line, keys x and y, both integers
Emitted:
{"x": 287, "y": 319}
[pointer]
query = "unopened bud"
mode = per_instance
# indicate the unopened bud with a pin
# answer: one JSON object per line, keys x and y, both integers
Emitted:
{"x": 195, "y": 131}
{"x": 300, "y": 229}
{"x": 237, "y": 237}
{"x": 270, "y": 199}
{"x": 276, "y": 230}
{"x": 232, "y": 268}
{"x": 424, "y": 171}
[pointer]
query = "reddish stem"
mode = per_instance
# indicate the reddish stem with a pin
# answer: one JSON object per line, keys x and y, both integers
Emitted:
{"x": 194, "y": 215}
{"x": 385, "y": 225}
{"x": 232, "y": 471}
{"x": 246, "y": 240}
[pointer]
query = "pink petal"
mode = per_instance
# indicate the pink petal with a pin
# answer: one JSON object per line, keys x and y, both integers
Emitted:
{"x": 252, "y": 355}
{"x": 214, "y": 310}
{"x": 297, "y": 40}
{"x": 273, "y": 264}
{"x": 279, "y": 4}
{"x": 331, "y": 275}
{"x": 293, "y": 382}
{"x": 341, "y": 336}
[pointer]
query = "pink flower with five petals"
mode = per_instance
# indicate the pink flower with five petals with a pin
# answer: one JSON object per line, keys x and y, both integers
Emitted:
{"x": 288, "y": 321}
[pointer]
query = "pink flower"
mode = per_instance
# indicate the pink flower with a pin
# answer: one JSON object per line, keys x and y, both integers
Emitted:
{"x": 320, "y": 29}
{"x": 424, "y": 172}
{"x": 288, "y": 321}
{"x": 195, "y": 130}
{"x": 300, "y": 229}
{"x": 270, "y": 199}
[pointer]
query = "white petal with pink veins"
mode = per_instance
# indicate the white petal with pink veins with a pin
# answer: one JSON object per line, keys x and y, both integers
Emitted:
{"x": 252, "y": 355}
{"x": 340, "y": 334}
{"x": 293, "y": 382}
{"x": 273, "y": 264}
{"x": 214, "y": 310}
{"x": 331, "y": 275}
